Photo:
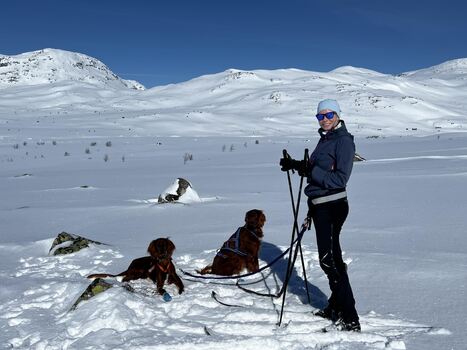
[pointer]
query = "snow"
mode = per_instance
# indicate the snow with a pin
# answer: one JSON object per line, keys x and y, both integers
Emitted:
{"x": 51, "y": 85}
{"x": 49, "y": 66}
{"x": 404, "y": 239}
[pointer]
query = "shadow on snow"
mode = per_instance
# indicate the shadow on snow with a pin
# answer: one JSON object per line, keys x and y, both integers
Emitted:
{"x": 297, "y": 283}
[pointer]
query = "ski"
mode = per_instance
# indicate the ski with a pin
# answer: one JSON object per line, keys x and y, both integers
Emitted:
{"x": 209, "y": 331}
{"x": 336, "y": 327}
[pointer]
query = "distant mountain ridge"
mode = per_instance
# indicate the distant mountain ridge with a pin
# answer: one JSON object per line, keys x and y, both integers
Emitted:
{"x": 234, "y": 102}
{"x": 52, "y": 65}
{"x": 457, "y": 67}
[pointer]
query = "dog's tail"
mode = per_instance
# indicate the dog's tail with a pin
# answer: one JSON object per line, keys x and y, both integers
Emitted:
{"x": 103, "y": 275}
{"x": 205, "y": 271}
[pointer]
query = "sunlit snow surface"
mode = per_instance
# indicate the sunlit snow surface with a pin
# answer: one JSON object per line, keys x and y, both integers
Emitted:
{"x": 404, "y": 242}
{"x": 90, "y": 157}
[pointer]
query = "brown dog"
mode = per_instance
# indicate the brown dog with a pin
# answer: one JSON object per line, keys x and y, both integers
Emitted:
{"x": 156, "y": 267}
{"x": 241, "y": 250}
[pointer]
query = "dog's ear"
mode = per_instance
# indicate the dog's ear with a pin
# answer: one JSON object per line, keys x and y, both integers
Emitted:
{"x": 261, "y": 219}
{"x": 170, "y": 247}
{"x": 152, "y": 250}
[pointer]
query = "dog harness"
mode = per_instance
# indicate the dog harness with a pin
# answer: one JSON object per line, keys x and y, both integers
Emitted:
{"x": 163, "y": 269}
{"x": 233, "y": 243}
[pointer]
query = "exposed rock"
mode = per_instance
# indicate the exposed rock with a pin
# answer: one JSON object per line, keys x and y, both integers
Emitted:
{"x": 96, "y": 287}
{"x": 67, "y": 243}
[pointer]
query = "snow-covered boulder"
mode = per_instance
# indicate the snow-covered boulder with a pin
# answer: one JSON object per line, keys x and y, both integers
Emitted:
{"x": 179, "y": 191}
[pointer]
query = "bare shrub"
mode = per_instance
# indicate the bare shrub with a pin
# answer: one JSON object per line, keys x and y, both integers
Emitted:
{"x": 187, "y": 157}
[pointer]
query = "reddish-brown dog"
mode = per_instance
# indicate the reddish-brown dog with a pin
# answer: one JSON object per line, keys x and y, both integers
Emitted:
{"x": 241, "y": 250}
{"x": 158, "y": 267}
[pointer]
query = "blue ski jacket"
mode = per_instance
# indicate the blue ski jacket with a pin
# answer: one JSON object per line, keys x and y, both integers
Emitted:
{"x": 331, "y": 163}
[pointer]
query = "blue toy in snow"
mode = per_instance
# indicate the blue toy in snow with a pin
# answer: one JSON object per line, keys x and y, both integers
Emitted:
{"x": 166, "y": 296}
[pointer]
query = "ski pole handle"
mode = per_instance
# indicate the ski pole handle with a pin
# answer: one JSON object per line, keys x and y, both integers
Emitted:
{"x": 287, "y": 156}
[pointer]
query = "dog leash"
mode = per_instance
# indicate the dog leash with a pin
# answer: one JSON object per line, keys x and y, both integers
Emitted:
{"x": 284, "y": 285}
{"x": 304, "y": 227}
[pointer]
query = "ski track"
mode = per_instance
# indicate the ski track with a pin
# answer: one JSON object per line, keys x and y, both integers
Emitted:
{"x": 403, "y": 159}
{"x": 51, "y": 284}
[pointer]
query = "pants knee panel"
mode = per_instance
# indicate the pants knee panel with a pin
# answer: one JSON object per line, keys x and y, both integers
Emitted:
{"x": 328, "y": 266}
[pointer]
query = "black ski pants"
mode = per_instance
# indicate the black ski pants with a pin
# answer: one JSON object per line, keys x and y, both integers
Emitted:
{"x": 328, "y": 219}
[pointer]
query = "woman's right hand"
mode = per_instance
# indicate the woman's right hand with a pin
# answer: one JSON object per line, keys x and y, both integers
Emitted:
{"x": 292, "y": 164}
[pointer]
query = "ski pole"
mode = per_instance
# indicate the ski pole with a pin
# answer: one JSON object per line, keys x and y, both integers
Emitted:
{"x": 295, "y": 213}
{"x": 295, "y": 229}
{"x": 299, "y": 243}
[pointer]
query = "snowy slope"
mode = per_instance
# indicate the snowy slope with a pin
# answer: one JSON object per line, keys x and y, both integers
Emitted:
{"x": 238, "y": 103}
{"x": 50, "y": 66}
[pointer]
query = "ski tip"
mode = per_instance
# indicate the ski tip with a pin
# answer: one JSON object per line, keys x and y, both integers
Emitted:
{"x": 282, "y": 325}
{"x": 207, "y": 330}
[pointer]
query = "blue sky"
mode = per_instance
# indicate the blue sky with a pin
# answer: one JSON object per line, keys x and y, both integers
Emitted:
{"x": 160, "y": 42}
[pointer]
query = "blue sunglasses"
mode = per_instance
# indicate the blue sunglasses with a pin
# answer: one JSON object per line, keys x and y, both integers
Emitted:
{"x": 328, "y": 115}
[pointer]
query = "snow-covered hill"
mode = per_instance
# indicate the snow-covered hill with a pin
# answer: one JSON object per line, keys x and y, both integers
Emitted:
{"x": 51, "y": 66}
{"x": 234, "y": 102}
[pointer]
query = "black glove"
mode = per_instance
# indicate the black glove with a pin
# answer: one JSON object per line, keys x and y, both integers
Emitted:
{"x": 287, "y": 163}
{"x": 292, "y": 164}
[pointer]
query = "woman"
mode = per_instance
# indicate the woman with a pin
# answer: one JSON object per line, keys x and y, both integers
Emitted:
{"x": 328, "y": 172}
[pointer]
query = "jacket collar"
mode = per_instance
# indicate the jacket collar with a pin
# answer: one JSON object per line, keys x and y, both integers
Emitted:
{"x": 338, "y": 130}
